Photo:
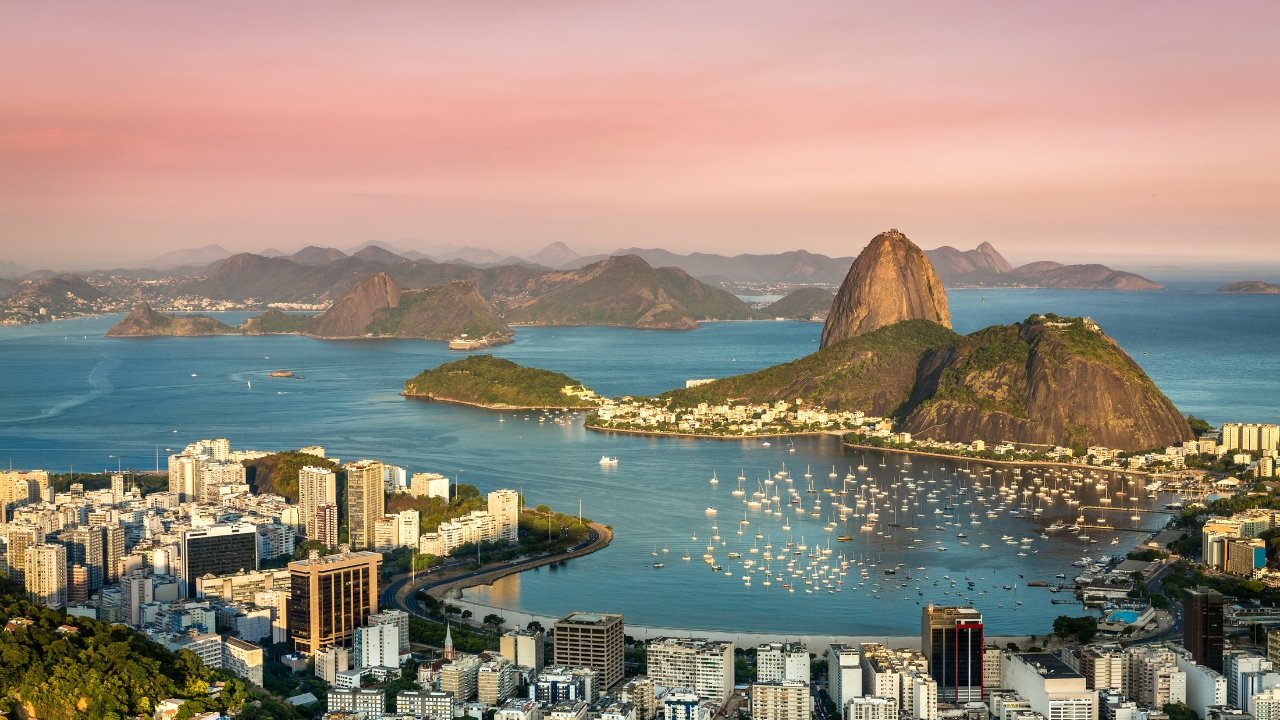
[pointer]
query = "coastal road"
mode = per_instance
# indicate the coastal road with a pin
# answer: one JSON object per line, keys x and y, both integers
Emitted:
{"x": 401, "y": 591}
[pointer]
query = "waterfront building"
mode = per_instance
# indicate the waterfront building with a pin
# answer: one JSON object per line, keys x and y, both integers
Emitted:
{"x": 1054, "y": 690}
{"x": 429, "y": 484}
{"x": 639, "y": 691}
{"x": 330, "y": 597}
{"x": 524, "y": 647}
{"x": 377, "y": 646}
{"x": 217, "y": 550}
{"x": 594, "y": 640}
{"x": 871, "y": 708}
{"x": 243, "y": 659}
{"x": 784, "y": 700}
{"x": 1202, "y": 629}
{"x": 704, "y": 666}
{"x": 365, "y": 501}
{"x": 371, "y": 703}
{"x": 778, "y": 661}
{"x": 504, "y": 506}
{"x": 461, "y": 677}
{"x": 45, "y": 574}
{"x": 844, "y": 673}
{"x": 952, "y": 642}
{"x": 317, "y": 487}
{"x": 434, "y": 704}
{"x": 495, "y": 681}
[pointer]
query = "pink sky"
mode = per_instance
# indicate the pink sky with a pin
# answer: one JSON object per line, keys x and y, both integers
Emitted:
{"x": 1067, "y": 130}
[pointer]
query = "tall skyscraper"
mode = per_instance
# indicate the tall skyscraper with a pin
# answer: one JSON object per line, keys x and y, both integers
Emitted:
{"x": 84, "y": 548}
{"x": 504, "y": 506}
{"x": 1202, "y": 630}
{"x": 365, "y": 501}
{"x": 46, "y": 574}
{"x": 330, "y": 597}
{"x": 951, "y": 640}
{"x": 317, "y": 487}
{"x": 112, "y": 552}
{"x": 218, "y": 550}
{"x": 117, "y": 488}
{"x": 593, "y": 640}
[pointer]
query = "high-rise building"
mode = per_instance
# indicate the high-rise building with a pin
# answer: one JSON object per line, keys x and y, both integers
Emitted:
{"x": 495, "y": 681}
{"x": 951, "y": 639}
{"x": 377, "y": 646}
{"x": 327, "y": 525}
{"x": 593, "y": 640}
{"x": 330, "y": 597}
{"x": 778, "y": 661}
{"x": 46, "y": 574}
{"x": 21, "y": 536}
{"x": 397, "y": 618}
{"x": 77, "y": 585}
{"x": 217, "y": 550}
{"x": 243, "y": 659}
{"x": 844, "y": 673}
{"x": 112, "y": 552}
{"x": 365, "y": 501}
{"x": 1053, "y": 689}
{"x": 704, "y": 666}
{"x": 871, "y": 708}
{"x": 1104, "y": 667}
{"x": 185, "y": 473}
{"x": 784, "y": 700}
{"x": 1202, "y": 631}
{"x": 316, "y": 487}
{"x": 504, "y": 506}
{"x": 117, "y": 488}
{"x": 524, "y": 647}
{"x": 84, "y": 548}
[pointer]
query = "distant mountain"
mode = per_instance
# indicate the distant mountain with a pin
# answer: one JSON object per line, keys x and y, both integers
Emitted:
{"x": 317, "y": 256}
{"x": 58, "y": 296}
{"x": 1080, "y": 277}
{"x": 985, "y": 266}
{"x": 1250, "y": 287}
{"x": 352, "y": 313}
{"x": 626, "y": 291}
{"x": 378, "y": 255}
{"x": 440, "y": 313}
{"x": 803, "y": 304}
{"x": 272, "y": 252}
{"x": 143, "y": 321}
{"x": 187, "y": 257}
{"x": 9, "y": 287}
{"x": 796, "y": 266}
{"x": 948, "y": 261}
{"x": 556, "y": 255}
{"x": 473, "y": 256}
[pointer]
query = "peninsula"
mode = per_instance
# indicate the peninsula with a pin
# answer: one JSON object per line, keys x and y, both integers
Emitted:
{"x": 498, "y": 384}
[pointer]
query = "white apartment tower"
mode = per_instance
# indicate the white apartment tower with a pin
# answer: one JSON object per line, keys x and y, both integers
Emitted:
{"x": 704, "y": 666}
{"x": 504, "y": 506}
{"x": 779, "y": 661}
{"x": 317, "y": 487}
{"x": 46, "y": 574}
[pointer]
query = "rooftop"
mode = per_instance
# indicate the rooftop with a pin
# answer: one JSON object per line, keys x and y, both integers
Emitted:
{"x": 585, "y": 618}
{"x": 1048, "y": 665}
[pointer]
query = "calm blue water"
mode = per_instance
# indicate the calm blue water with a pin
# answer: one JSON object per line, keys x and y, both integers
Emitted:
{"x": 72, "y": 397}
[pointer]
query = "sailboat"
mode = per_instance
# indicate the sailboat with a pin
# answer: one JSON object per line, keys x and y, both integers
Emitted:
{"x": 250, "y": 383}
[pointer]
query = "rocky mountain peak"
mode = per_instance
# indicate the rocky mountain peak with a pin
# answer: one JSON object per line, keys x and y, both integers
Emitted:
{"x": 351, "y": 314}
{"x": 890, "y": 281}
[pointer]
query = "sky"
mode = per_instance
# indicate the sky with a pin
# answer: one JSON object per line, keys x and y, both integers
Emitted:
{"x": 1132, "y": 132}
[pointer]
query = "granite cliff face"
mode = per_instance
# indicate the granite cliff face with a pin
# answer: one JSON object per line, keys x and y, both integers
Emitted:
{"x": 440, "y": 313}
{"x": 1046, "y": 380}
{"x": 890, "y": 281}
{"x": 352, "y": 313}
{"x": 143, "y": 321}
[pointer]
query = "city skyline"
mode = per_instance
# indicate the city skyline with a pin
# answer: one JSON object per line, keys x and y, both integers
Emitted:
{"x": 1083, "y": 132}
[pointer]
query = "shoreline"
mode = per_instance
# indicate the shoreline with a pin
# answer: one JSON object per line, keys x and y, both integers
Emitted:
{"x": 496, "y": 408}
{"x": 664, "y": 433}
{"x": 1020, "y": 463}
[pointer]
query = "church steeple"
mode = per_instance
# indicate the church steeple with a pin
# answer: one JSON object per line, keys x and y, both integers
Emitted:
{"x": 448, "y": 653}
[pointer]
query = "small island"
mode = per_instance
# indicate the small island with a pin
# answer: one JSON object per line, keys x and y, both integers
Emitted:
{"x": 143, "y": 321}
{"x": 1250, "y": 287}
{"x": 498, "y": 384}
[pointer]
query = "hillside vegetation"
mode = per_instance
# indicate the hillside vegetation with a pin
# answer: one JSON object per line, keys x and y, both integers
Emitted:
{"x": 278, "y": 474}
{"x": 496, "y": 383}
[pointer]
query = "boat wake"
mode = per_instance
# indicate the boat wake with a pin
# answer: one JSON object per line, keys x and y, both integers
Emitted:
{"x": 99, "y": 384}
